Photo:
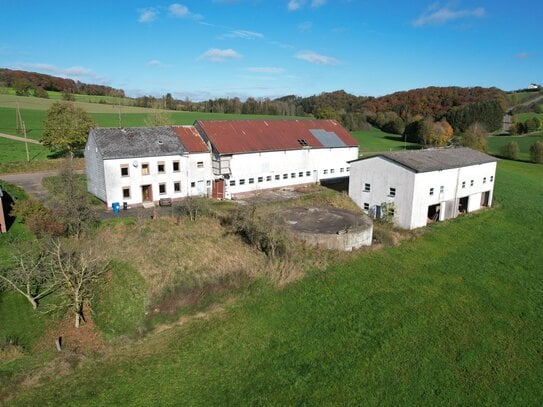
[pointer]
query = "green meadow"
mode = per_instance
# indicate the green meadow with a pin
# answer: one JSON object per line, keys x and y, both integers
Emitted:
{"x": 374, "y": 140}
{"x": 452, "y": 317}
{"x": 495, "y": 143}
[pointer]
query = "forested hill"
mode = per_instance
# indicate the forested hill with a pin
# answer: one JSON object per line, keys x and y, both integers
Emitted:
{"x": 434, "y": 101}
{"x": 33, "y": 80}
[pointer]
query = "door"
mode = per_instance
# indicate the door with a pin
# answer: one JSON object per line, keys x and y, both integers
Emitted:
{"x": 146, "y": 193}
{"x": 485, "y": 197}
{"x": 217, "y": 191}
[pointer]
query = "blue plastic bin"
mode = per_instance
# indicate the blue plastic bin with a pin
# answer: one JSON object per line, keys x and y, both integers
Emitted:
{"x": 116, "y": 207}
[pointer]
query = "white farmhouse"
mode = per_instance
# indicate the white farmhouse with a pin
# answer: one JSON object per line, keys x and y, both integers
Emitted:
{"x": 419, "y": 186}
{"x": 144, "y": 165}
{"x": 252, "y": 155}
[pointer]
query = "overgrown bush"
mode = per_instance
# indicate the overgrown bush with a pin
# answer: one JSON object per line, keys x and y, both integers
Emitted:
{"x": 39, "y": 220}
{"x": 510, "y": 150}
{"x": 192, "y": 207}
{"x": 536, "y": 152}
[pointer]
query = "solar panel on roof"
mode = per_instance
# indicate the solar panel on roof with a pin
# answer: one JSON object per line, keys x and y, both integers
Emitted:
{"x": 327, "y": 138}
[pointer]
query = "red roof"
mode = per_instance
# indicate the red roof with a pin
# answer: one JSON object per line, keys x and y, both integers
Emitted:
{"x": 190, "y": 139}
{"x": 246, "y": 136}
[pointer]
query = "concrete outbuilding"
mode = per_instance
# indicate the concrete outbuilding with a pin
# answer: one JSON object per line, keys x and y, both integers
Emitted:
{"x": 416, "y": 187}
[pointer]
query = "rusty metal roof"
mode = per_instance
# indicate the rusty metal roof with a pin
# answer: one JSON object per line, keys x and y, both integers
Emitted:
{"x": 190, "y": 139}
{"x": 247, "y": 136}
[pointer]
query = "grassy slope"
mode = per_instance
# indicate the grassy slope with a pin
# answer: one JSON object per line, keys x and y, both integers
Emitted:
{"x": 452, "y": 318}
{"x": 377, "y": 140}
{"x": 495, "y": 143}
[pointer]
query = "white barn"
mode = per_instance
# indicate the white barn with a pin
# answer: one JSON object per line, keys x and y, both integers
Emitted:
{"x": 143, "y": 165}
{"x": 252, "y": 155}
{"x": 421, "y": 186}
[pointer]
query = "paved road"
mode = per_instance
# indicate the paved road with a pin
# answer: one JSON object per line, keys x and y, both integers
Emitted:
{"x": 507, "y": 119}
{"x": 31, "y": 183}
{"x": 32, "y": 141}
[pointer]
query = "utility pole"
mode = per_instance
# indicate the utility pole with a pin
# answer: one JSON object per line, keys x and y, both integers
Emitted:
{"x": 21, "y": 127}
{"x": 120, "y": 117}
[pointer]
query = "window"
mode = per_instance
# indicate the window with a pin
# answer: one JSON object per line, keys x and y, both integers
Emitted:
{"x": 124, "y": 170}
{"x": 242, "y": 182}
{"x": 391, "y": 212}
{"x": 277, "y": 177}
{"x": 208, "y": 183}
{"x": 491, "y": 178}
{"x": 285, "y": 176}
{"x": 463, "y": 184}
{"x": 200, "y": 164}
{"x": 192, "y": 184}
{"x": 367, "y": 187}
{"x": 325, "y": 171}
{"x": 268, "y": 178}
{"x": 292, "y": 175}
{"x": 471, "y": 183}
{"x": 431, "y": 191}
{"x": 126, "y": 192}
{"x": 366, "y": 206}
{"x": 251, "y": 180}
{"x": 342, "y": 170}
{"x": 392, "y": 192}
{"x": 332, "y": 171}
{"x": 302, "y": 142}
{"x": 484, "y": 180}
{"x": 175, "y": 166}
{"x": 177, "y": 186}
{"x": 232, "y": 183}
{"x": 260, "y": 179}
{"x": 308, "y": 173}
{"x": 161, "y": 167}
{"x": 301, "y": 174}
{"x": 145, "y": 169}
{"x": 161, "y": 189}
{"x": 441, "y": 189}
{"x": 348, "y": 169}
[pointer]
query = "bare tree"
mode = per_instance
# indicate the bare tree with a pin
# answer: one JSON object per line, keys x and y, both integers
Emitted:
{"x": 76, "y": 269}
{"x": 27, "y": 274}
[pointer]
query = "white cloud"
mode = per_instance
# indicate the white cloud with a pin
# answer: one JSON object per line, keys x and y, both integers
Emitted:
{"x": 147, "y": 15}
{"x": 522, "y": 55}
{"x": 294, "y": 5}
{"x": 314, "y": 58}
{"x": 181, "y": 11}
{"x": 220, "y": 55}
{"x": 266, "y": 69}
{"x": 244, "y": 34}
{"x": 305, "y": 26}
{"x": 154, "y": 62}
{"x": 436, "y": 15}
{"x": 78, "y": 73}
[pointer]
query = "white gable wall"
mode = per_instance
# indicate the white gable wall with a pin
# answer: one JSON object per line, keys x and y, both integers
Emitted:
{"x": 94, "y": 168}
{"x": 255, "y": 171}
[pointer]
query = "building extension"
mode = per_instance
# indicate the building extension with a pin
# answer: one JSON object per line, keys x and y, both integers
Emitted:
{"x": 416, "y": 187}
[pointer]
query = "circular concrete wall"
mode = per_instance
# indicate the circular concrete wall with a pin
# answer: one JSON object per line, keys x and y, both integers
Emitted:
{"x": 329, "y": 228}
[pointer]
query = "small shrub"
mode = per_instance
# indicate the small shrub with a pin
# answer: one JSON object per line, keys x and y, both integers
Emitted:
{"x": 510, "y": 150}
{"x": 536, "y": 152}
{"x": 39, "y": 220}
{"x": 192, "y": 207}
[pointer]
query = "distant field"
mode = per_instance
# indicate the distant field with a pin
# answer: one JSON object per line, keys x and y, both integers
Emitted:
{"x": 524, "y": 142}
{"x": 376, "y": 140}
{"x": 79, "y": 98}
{"x": 525, "y": 116}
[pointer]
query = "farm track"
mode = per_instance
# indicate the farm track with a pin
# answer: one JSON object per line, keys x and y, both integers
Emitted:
{"x": 17, "y": 138}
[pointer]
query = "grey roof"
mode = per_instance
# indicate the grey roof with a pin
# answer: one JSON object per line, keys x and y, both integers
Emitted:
{"x": 437, "y": 159}
{"x": 137, "y": 142}
{"x": 328, "y": 138}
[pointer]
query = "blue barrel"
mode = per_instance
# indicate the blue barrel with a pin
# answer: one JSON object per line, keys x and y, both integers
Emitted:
{"x": 116, "y": 207}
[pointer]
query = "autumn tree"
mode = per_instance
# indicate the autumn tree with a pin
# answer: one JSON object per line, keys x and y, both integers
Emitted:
{"x": 76, "y": 269}
{"x": 157, "y": 119}
{"x": 25, "y": 272}
{"x": 66, "y": 128}
{"x": 475, "y": 137}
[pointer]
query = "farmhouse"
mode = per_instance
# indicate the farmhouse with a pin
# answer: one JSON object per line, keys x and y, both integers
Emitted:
{"x": 144, "y": 165}
{"x": 420, "y": 186}
{"x": 214, "y": 158}
{"x": 251, "y": 155}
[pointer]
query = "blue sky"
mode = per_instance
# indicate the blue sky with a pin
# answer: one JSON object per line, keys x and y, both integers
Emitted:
{"x": 268, "y": 48}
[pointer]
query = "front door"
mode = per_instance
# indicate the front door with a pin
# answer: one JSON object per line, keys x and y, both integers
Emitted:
{"x": 218, "y": 189}
{"x": 146, "y": 193}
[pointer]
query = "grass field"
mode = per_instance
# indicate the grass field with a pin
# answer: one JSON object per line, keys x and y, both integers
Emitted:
{"x": 525, "y": 116}
{"x": 376, "y": 140}
{"x": 12, "y": 150}
{"x": 495, "y": 143}
{"x": 453, "y": 317}
{"x": 79, "y": 98}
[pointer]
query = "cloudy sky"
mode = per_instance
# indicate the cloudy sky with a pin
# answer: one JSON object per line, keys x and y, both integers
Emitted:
{"x": 268, "y": 48}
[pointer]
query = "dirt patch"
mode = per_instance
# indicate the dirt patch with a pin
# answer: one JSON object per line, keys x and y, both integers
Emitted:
{"x": 271, "y": 195}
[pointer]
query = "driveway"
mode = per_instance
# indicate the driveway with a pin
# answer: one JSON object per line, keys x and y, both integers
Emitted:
{"x": 31, "y": 183}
